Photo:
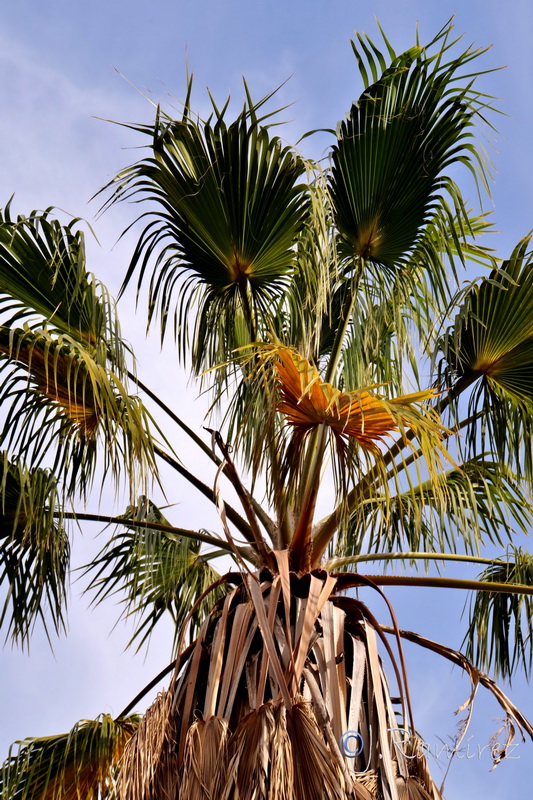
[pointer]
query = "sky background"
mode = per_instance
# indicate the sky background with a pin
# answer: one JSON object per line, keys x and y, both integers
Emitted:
{"x": 65, "y": 67}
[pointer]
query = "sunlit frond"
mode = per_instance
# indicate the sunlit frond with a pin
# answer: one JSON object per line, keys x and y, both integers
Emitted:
{"x": 79, "y": 765}
{"x": 61, "y": 401}
{"x": 307, "y": 401}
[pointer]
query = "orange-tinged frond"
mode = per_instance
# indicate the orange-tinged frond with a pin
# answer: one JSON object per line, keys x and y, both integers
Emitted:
{"x": 307, "y": 402}
{"x": 60, "y": 377}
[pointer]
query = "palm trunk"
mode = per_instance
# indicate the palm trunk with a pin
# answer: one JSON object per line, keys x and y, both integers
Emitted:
{"x": 283, "y": 696}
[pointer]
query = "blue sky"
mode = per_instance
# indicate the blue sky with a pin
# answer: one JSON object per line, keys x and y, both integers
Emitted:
{"x": 58, "y": 68}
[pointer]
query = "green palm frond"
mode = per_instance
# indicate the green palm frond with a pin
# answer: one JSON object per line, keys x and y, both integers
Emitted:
{"x": 62, "y": 401}
{"x": 79, "y": 765}
{"x": 230, "y": 208}
{"x": 491, "y": 345}
{"x": 409, "y": 126}
{"x": 464, "y": 508}
{"x": 62, "y": 358}
{"x": 158, "y": 573}
{"x": 44, "y": 282}
{"x": 499, "y": 635}
{"x": 34, "y": 549}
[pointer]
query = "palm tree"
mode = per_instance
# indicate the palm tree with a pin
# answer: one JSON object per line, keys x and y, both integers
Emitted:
{"x": 304, "y": 296}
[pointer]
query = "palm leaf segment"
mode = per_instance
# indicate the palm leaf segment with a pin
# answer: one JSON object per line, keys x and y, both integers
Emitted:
{"x": 64, "y": 369}
{"x": 491, "y": 345}
{"x": 230, "y": 210}
{"x": 389, "y": 188}
{"x": 499, "y": 633}
{"x": 34, "y": 548}
{"x": 159, "y": 572}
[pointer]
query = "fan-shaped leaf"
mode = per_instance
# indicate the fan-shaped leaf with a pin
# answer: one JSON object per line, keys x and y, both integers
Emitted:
{"x": 229, "y": 212}
{"x": 388, "y": 180}
{"x": 43, "y": 281}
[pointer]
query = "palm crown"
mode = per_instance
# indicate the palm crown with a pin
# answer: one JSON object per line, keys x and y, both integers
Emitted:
{"x": 304, "y": 296}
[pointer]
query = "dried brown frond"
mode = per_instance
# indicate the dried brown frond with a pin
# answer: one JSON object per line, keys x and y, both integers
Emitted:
{"x": 367, "y": 785}
{"x": 149, "y": 767}
{"x": 205, "y": 759}
{"x": 250, "y": 763}
{"x": 316, "y": 774}
{"x": 412, "y": 788}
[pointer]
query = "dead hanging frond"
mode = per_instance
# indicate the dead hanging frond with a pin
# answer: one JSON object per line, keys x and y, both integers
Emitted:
{"x": 148, "y": 769}
{"x": 318, "y": 774}
{"x": 514, "y": 719}
{"x": 205, "y": 759}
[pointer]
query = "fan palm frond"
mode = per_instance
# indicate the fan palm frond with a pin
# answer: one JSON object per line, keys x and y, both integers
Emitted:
{"x": 464, "y": 508}
{"x": 307, "y": 401}
{"x": 61, "y": 399}
{"x": 79, "y": 765}
{"x": 491, "y": 345}
{"x": 229, "y": 211}
{"x": 409, "y": 125}
{"x": 44, "y": 282}
{"x": 159, "y": 573}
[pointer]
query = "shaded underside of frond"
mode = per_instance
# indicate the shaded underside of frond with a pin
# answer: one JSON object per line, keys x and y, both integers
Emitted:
{"x": 493, "y": 331}
{"x": 34, "y": 549}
